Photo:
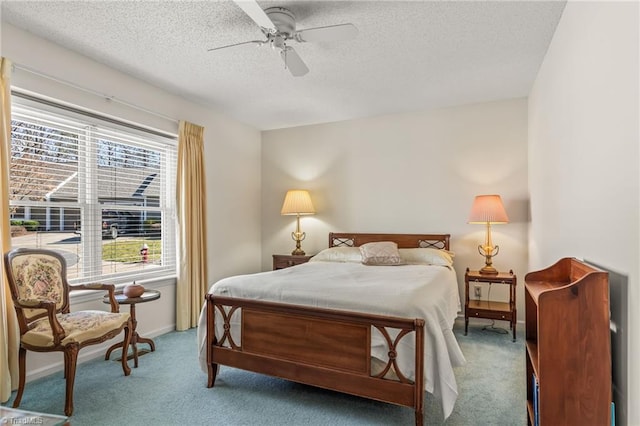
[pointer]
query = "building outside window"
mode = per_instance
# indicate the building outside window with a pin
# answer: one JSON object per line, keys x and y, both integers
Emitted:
{"x": 100, "y": 192}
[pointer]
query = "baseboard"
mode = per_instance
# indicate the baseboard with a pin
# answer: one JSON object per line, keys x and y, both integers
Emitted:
{"x": 86, "y": 354}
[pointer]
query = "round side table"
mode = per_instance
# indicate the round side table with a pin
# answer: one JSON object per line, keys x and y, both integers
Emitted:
{"x": 147, "y": 296}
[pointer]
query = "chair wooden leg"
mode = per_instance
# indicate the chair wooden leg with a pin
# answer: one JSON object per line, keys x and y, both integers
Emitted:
{"x": 125, "y": 348}
{"x": 22, "y": 364}
{"x": 70, "y": 361}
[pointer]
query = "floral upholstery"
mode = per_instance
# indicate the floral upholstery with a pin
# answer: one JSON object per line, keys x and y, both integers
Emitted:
{"x": 40, "y": 293}
{"x": 78, "y": 326}
{"x": 38, "y": 277}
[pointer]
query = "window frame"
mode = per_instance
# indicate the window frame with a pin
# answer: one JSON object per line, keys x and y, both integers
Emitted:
{"x": 89, "y": 203}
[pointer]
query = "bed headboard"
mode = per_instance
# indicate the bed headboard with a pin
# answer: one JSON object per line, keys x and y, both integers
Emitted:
{"x": 350, "y": 239}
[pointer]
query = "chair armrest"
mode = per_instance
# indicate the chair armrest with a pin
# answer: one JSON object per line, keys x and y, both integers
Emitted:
{"x": 31, "y": 304}
{"x": 115, "y": 308}
{"x": 56, "y": 328}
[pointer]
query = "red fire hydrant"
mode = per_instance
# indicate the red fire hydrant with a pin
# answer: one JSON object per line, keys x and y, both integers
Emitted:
{"x": 144, "y": 253}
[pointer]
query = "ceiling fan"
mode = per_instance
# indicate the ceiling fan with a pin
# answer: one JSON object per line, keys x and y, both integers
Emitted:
{"x": 279, "y": 27}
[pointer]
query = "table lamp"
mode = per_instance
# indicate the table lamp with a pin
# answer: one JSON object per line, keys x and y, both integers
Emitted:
{"x": 297, "y": 202}
{"x": 488, "y": 210}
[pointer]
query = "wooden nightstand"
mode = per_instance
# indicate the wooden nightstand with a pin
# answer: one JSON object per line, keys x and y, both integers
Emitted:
{"x": 503, "y": 311}
{"x": 281, "y": 261}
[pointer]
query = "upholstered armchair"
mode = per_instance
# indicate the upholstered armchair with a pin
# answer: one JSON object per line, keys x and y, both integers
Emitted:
{"x": 40, "y": 293}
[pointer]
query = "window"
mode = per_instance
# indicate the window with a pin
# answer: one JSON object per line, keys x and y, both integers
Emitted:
{"x": 99, "y": 192}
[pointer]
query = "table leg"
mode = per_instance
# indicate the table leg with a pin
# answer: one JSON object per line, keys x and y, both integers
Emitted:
{"x": 134, "y": 335}
{"x": 148, "y": 341}
{"x": 116, "y": 346}
{"x": 135, "y": 339}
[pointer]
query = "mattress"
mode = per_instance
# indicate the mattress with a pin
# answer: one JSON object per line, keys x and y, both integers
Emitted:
{"x": 410, "y": 291}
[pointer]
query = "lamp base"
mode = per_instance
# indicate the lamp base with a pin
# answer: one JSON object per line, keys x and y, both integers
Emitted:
{"x": 298, "y": 252}
{"x": 488, "y": 270}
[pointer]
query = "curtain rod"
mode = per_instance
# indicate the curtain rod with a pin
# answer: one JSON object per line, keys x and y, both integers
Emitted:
{"x": 108, "y": 98}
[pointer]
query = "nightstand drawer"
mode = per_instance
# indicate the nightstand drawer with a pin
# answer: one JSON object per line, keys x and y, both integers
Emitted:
{"x": 490, "y": 309}
{"x": 490, "y": 314}
{"x": 281, "y": 261}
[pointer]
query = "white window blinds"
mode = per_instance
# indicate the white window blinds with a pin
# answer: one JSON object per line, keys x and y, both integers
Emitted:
{"x": 100, "y": 193}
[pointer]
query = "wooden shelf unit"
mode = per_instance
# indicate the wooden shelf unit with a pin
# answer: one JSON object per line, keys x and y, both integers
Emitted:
{"x": 568, "y": 344}
{"x": 490, "y": 309}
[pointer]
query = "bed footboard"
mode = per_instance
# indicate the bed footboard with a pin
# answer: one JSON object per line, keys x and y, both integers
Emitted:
{"x": 320, "y": 347}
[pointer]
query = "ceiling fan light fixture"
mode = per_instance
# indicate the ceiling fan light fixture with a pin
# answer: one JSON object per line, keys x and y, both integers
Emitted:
{"x": 278, "y": 41}
{"x": 279, "y": 25}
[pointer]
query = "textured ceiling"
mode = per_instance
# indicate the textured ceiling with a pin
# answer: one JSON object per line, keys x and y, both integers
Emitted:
{"x": 407, "y": 56}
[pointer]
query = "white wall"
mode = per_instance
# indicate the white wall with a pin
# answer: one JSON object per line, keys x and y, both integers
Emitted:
{"x": 407, "y": 173}
{"x": 232, "y": 152}
{"x": 583, "y": 151}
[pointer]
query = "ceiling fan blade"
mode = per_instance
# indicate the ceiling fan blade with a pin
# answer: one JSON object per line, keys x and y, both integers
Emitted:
{"x": 339, "y": 32}
{"x": 255, "y": 12}
{"x": 258, "y": 42}
{"x": 293, "y": 62}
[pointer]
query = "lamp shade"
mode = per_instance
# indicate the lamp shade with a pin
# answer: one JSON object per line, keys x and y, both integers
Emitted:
{"x": 488, "y": 209}
{"x": 297, "y": 201}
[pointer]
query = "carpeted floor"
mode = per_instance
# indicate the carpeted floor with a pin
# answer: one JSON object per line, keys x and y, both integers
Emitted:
{"x": 169, "y": 388}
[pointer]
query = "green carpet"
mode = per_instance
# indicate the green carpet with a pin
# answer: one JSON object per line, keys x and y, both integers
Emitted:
{"x": 169, "y": 388}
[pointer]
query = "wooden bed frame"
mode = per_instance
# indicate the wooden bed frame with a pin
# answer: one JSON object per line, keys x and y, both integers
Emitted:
{"x": 327, "y": 348}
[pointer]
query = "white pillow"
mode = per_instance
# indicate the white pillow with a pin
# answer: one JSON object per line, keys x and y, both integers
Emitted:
{"x": 427, "y": 256}
{"x": 381, "y": 253}
{"x": 338, "y": 254}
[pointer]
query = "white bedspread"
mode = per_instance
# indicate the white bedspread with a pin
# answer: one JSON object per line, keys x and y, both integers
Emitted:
{"x": 408, "y": 291}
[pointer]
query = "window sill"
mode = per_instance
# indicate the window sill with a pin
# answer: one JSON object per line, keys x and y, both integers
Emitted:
{"x": 81, "y": 296}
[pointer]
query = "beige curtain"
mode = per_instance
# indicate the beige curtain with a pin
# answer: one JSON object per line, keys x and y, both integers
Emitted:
{"x": 9, "y": 334}
{"x": 192, "y": 226}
